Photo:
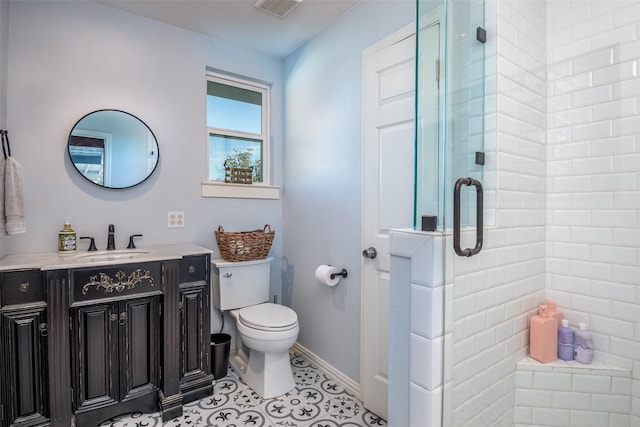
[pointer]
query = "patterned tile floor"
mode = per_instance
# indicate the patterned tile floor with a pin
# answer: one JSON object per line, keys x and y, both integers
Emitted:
{"x": 316, "y": 401}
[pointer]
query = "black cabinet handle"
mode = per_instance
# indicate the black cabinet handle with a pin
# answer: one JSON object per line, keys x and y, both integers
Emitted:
{"x": 123, "y": 318}
{"x": 44, "y": 329}
{"x": 456, "y": 217}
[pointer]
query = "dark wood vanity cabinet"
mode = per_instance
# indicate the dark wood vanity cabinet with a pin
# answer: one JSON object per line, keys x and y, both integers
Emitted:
{"x": 115, "y": 358}
{"x": 196, "y": 380}
{"x": 24, "y": 393}
{"x": 82, "y": 345}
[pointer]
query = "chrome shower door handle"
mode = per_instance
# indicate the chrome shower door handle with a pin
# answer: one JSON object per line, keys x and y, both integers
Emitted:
{"x": 456, "y": 217}
{"x": 370, "y": 253}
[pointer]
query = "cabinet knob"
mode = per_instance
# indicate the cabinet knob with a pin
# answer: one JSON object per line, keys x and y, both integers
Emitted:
{"x": 24, "y": 287}
{"x": 227, "y": 275}
{"x": 192, "y": 269}
{"x": 113, "y": 317}
{"x": 44, "y": 329}
{"x": 123, "y": 318}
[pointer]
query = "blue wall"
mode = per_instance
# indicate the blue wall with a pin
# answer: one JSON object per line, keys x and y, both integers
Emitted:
{"x": 66, "y": 59}
{"x": 69, "y": 58}
{"x": 322, "y": 169}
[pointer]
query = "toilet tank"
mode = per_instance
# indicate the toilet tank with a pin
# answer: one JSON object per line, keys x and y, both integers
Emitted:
{"x": 240, "y": 284}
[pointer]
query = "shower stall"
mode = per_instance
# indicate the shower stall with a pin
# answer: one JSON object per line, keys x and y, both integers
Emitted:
{"x": 527, "y": 152}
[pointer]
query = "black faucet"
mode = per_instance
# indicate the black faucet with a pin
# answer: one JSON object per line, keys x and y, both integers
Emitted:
{"x": 111, "y": 244}
{"x": 132, "y": 245}
{"x": 92, "y": 244}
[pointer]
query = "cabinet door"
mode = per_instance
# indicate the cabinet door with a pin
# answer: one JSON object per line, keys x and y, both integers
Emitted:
{"x": 194, "y": 331}
{"x": 24, "y": 366}
{"x": 140, "y": 327}
{"x": 95, "y": 355}
{"x": 115, "y": 354}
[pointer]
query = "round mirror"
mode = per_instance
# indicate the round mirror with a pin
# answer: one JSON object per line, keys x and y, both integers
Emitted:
{"x": 113, "y": 149}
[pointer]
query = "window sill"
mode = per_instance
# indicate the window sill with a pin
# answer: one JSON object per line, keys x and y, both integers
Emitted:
{"x": 239, "y": 191}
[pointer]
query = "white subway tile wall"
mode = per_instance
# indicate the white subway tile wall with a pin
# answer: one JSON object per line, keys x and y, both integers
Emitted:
{"x": 593, "y": 201}
{"x": 496, "y": 291}
{"x": 563, "y": 95}
{"x": 426, "y": 351}
{"x": 562, "y": 143}
{"x": 569, "y": 394}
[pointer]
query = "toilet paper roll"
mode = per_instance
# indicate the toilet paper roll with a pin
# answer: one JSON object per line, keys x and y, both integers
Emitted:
{"x": 324, "y": 272}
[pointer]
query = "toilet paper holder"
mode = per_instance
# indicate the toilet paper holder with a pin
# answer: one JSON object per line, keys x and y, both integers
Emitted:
{"x": 342, "y": 273}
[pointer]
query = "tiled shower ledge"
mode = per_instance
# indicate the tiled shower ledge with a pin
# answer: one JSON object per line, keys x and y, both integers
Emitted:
{"x": 573, "y": 367}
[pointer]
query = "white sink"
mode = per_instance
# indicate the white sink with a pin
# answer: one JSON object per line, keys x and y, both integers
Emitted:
{"x": 114, "y": 255}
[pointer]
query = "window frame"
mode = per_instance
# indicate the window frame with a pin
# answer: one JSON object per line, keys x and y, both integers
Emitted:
{"x": 264, "y": 189}
{"x": 106, "y": 137}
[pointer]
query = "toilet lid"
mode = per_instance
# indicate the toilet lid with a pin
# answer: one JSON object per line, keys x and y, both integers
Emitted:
{"x": 268, "y": 316}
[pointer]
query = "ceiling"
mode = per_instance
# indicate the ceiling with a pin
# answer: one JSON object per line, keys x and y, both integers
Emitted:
{"x": 240, "y": 22}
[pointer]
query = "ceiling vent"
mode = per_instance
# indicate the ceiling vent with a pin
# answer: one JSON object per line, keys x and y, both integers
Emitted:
{"x": 277, "y": 7}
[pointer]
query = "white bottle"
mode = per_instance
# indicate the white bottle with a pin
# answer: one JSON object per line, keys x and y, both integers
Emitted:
{"x": 583, "y": 344}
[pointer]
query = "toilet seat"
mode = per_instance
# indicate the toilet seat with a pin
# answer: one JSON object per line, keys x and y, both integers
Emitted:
{"x": 268, "y": 317}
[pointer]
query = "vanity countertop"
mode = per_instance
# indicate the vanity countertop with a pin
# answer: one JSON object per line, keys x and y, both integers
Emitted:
{"x": 55, "y": 261}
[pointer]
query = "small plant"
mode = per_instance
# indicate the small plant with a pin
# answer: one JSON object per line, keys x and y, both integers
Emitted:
{"x": 242, "y": 159}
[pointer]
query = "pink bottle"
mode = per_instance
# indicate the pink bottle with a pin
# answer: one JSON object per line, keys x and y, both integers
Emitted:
{"x": 543, "y": 336}
{"x": 553, "y": 312}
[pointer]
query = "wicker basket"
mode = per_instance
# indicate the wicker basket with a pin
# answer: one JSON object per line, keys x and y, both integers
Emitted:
{"x": 245, "y": 245}
{"x": 238, "y": 175}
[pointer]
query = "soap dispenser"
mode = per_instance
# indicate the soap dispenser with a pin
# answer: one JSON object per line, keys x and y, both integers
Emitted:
{"x": 543, "y": 336}
{"x": 66, "y": 239}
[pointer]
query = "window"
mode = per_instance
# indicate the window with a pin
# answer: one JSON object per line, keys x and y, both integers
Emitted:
{"x": 88, "y": 151}
{"x": 237, "y": 124}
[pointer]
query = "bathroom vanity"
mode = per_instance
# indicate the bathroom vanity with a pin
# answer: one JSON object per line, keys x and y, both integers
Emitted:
{"x": 92, "y": 335}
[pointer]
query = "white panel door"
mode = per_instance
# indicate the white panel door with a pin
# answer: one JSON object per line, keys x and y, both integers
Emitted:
{"x": 388, "y": 193}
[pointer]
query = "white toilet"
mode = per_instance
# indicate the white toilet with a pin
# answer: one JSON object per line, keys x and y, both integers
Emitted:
{"x": 267, "y": 329}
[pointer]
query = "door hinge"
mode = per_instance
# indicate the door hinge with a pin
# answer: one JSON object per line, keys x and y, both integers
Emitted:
{"x": 438, "y": 73}
{"x": 481, "y": 35}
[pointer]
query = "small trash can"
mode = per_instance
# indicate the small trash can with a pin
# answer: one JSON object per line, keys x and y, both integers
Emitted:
{"x": 220, "y": 348}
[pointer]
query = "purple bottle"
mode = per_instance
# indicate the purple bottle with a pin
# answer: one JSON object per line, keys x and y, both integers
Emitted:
{"x": 583, "y": 344}
{"x": 565, "y": 341}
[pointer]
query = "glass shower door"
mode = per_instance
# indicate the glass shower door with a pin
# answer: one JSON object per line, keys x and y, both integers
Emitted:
{"x": 450, "y": 152}
{"x": 449, "y": 106}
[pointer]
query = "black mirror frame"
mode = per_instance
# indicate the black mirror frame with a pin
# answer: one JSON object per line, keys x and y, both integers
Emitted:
{"x": 104, "y": 186}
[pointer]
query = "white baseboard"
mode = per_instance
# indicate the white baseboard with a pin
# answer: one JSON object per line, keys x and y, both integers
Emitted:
{"x": 347, "y": 383}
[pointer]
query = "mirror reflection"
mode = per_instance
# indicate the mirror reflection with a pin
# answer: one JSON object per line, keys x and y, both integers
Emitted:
{"x": 113, "y": 149}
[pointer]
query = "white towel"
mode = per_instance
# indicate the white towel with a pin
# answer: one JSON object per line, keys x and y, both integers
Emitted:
{"x": 13, "y": 199}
